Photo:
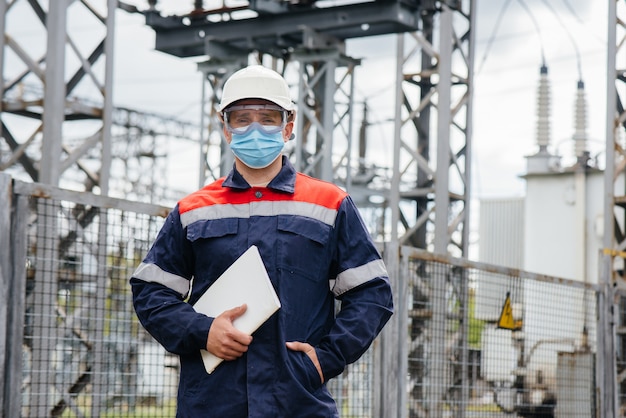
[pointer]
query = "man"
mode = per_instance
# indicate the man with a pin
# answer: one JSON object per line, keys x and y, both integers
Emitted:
{"x": 314, "y": 246}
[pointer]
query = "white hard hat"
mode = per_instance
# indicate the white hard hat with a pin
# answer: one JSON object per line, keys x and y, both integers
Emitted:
{"x": 256, "y": 82}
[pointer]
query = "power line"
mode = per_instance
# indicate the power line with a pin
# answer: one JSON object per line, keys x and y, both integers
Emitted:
{"x": 572, "y": 11}
{"x": 569, "y": 35}
{"x": 492, "y": 38}
{"x": 537, "y": 28}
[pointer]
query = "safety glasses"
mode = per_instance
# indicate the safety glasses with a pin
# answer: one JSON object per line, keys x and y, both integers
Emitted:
{"x": 268, "y": 129}
{"x": 242, "y": 118}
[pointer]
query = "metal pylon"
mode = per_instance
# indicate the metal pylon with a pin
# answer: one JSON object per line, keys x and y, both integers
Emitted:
{"x": 46, "y": 129}
{"x": 433, "y": 120}
{"x": 325, "y": 103}
{"x": 57, "y": 138}
{"x": 611, "y": 359}
{"x": 430, "y": 191}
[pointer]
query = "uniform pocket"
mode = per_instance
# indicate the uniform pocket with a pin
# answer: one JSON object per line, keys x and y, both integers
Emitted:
{"x": 212, "y": 229}
{"x": 303, "y": 246}
{"x": 216, "y": 244}
{"x": 304, "y": 371}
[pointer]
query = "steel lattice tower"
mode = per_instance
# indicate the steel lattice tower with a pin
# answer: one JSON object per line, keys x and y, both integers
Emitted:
{"x": 612, "y": 304}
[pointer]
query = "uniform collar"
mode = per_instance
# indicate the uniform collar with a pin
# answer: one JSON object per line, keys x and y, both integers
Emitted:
{"x": 284, "y": 181}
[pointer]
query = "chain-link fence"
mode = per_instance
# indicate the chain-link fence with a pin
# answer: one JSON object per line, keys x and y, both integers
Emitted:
{"x": 480, "y": 340}
{"x": 74, "y": 345}
{"x": 488, "y": 341}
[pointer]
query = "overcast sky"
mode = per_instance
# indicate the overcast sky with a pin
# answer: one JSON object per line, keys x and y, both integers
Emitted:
{"x": 511, "y": 43}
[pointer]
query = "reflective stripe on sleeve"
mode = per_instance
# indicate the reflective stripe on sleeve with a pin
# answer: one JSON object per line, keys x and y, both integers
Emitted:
{"x": 351, "y": 278}
{"x": 149, "y": 272}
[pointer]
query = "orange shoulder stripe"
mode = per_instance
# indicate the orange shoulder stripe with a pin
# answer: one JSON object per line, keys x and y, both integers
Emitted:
{"x": 307, "y": 189}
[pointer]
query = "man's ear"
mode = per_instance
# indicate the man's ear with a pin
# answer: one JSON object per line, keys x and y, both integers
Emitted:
{"x": 227, "y": 135}
{"x": 288, "y": 131}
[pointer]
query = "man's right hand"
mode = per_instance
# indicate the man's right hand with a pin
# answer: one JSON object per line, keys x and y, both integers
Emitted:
{"x": 224, "y": 340}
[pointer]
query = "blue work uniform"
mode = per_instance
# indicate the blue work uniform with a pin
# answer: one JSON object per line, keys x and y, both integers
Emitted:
{"x": 315, "y": 248}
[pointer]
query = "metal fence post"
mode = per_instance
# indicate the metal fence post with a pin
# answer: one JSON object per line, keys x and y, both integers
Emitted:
{"x": 5, "y": 247}
{"x": 606, "y": 380}
{"x": 13, "y": 224}
{"x": 402, "y": 311}
{"x": 388, "y": 400}
{"x": 16, "y": 359}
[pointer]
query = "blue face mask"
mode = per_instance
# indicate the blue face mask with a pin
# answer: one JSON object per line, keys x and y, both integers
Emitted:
{"x": 257, "y": 146}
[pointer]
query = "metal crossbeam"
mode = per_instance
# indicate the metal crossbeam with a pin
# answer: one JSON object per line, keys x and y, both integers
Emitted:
{"x": 191, "y": 35}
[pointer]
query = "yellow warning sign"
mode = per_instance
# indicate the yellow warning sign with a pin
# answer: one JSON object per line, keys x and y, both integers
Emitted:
{"x": 506, "y": 320}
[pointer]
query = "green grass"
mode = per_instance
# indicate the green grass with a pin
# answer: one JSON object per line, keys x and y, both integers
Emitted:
{"x": 166, "y": 410}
